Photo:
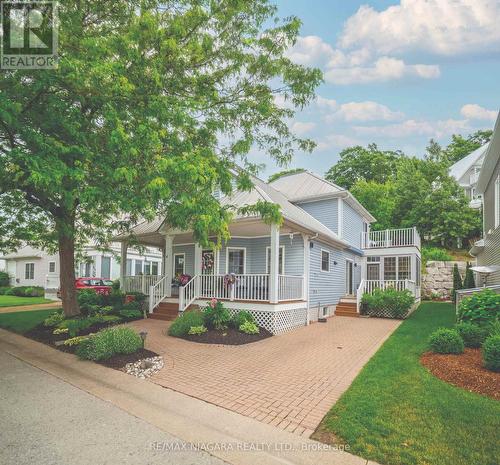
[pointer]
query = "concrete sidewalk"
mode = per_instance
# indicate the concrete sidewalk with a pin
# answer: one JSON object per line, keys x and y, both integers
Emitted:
{"x": 27, "y": 308}
{"x": 227, "y": 435}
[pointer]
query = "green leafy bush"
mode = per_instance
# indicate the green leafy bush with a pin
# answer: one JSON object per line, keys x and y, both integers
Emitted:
{"x": 249, "y": 328}
{"x": 389, "y": 303}
{"x": 4, "y": 279}
{"x": 457, "y": 283}
{"x": 89, "y": 301}
{"x": 494, "y": 328}
{"x": 241, "y": 317}
{"x": 109, "y": 342}
{"x": 435, "y": 254}
{"x": 446, "y": 341}
{"x": 74, "y": 341}
{"x": 197, "y": 330}
{"x": 4, "y": 289}
{"x": 480, "y": 308}
{"x": 115, "y": 299}
{"x": 26, "y": 291}
{"x": 9, "y": 291}
{"x": 75, "y": 325}
{"x": 54, "y": 319}
{"x": 472, "y": 335}
{"x": 216, "y": 315}
{"x": 130, "y": 314}
{"x": 132, "y": 306}
{"x": 491, "y": 353}
{"x": 469, "y": 281}
{"x": 183, "y": 323}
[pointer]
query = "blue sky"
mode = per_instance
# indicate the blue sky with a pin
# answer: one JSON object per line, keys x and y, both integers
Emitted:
{"x": 396, "y": 73}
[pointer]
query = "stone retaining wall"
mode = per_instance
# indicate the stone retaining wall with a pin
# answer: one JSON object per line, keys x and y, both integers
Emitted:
{"x": 437, "y": 280}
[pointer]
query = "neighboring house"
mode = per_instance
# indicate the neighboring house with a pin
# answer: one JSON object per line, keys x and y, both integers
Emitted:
{"x": 34, "y": 267}
{"x": 320, "y": 261}
{"x": 466, "y": 172}
{"x": 487, "y": 250}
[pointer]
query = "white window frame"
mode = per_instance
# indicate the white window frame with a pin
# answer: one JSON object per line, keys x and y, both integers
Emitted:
{"x": 29, "y": 276}
{"x": 497, "y": 202}
{"x": 321, "y": 260}
{"x": 52, "y": 263}
{"x": 244, "y": 258}
{"x": 268, "y": 265}
{"x": 349, "y": 260}
{"x": 183, "y": 255}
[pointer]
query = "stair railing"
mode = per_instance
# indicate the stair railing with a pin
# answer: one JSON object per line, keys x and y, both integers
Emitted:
{"x": 157, "y": 293}
{"x": 359, "y": 294}
{"x": 188, "y": 293}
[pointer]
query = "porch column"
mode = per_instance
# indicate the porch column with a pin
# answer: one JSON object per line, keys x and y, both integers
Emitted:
{"x": 197, "y": 266}
{"x": 123, "y": 263}
{"x": 168, "y": 258}
{"x": 274, "y": 264}
{"x": 305, "y": 289}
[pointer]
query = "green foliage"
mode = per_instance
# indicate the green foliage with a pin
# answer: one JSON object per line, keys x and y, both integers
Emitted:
{"x": 183, "y": 323}
{"x": 60, "y": 331}
{"x": 27, "y": 291}
{"x": 472, "y": 335}
{"x": 109, "y": 342}
{"x": 461, "y": 147}
{"x": 435, "y": 254}
{"x": 241, "y": 317}
{"x": 480, "y": 308}
{"x": 216, "y": 316}
{"x": 132, "y": 306}
{"x": 457, "y": 282}
{"x": 54, "y": 319}
{"x": 75, "y": 325}
{"x": 115, "y": 299}
{"x": 197, "y": 330}
{"x": 130, "y": 314}
{"x": 4, "y": 279}
{"x": 3, "y": 290}
{"x": 363, "y": 164}
{"x": 491, "y": 353}
{"x": 160, "y": 102}
{"x": 494, "y": 328}
{"x": 469, "y": 281}
{"x": 21, "y": 322}
{"x": 378, "y": 199}
{"x": 280, "y": 174}
{"x": 249, "y": 327}
{"x": 388, "y": 303}
{"x": 74, "y": 341}
{"x": 89, "y": 301}
{"x": 446, "y": 341}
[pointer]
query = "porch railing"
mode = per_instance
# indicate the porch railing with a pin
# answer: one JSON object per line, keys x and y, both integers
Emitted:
{"x": 140, "y": 283}
{"x": 390, "y": 238}
{"x": 188, "y": 293}
{"x": 290, "y": 287}
{"x": 157, "y": 292}
{"x": 367, "y": 286}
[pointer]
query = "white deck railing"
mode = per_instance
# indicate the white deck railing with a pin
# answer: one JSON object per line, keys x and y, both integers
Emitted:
{"x": 140, "y": 283}
{"x": 157, "y": 292}
{"x": 367, "y": 286}
{"x": 188, "y": 293}
{"x": 254, "y": 287}
{"x": 290, "y": 287}
{"x": 390, "y": 238}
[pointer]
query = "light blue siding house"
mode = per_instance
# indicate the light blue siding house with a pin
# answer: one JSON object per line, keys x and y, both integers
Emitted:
{"x": 317, "y": 264}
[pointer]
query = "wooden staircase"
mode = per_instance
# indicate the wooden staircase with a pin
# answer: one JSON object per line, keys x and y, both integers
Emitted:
{"x": 346, "y": 307}
{"x": 166, "y": 311}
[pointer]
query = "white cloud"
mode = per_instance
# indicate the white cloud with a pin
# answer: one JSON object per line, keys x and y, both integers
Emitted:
{"x": 300, "y": 128}
{"x": 367, "y": 111}
{"x": 444, "y": 27}
{"x": 413, "y": 127}
{"x": 474, "y": 111}
{"x": 384, "y": 69}
{"x": 326, "y": 103}
{"x": 338, "y": 141}
{"x": 311, "y": 51}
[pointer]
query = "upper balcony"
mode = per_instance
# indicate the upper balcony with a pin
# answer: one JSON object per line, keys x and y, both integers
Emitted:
{"x": 390, "y": 238}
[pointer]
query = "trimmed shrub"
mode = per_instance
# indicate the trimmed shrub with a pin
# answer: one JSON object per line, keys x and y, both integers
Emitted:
{"x": 9, "y": 291}
{"x": 4, "y": 279}
{"x": 216, "y": 315}
{"x": 109, "y": 342}
{"x": 494, "y": 328}
{"x": 26, "y": 291}
{"x": 469, "y": 281}
{"x": 197, "y": 330}
{"x": 435, "y": 254}
{"x": 249, "y": 328}
{"x": 183, "y": 323}
{"x": 75, "y": 325}
{"x": 446, "y": 341}
{"x": 89, "y": 301}
{"x": 388, "y": 303}
{"x": 457, "y": 283}
{"x": 130, "y": 314}
{"x": 3, "y": 290}
{"x": 491, "y": 353}
{"x": 481, "y": 308}
{"x": 132, "y": 306}
{"x": 241, "y": 317}
{"x": 472, "y": 335}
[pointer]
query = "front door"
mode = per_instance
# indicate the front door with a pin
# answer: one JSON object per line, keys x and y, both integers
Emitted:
{"x": 349, "y": 277}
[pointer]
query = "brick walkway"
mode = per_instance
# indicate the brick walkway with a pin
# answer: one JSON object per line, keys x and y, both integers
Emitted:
{"x": 289, "y": 381}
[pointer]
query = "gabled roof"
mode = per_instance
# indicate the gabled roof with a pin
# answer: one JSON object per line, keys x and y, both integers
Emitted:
{"x": 307, "y": 186}
{"x": 461, "y": 167}
{"x": 24, "y": 252}
{"x": 491, "y": 159}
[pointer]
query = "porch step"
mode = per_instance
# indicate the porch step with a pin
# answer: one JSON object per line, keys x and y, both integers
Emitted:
{"x": 346, "y": 307}
{"x": 161, "y": 316}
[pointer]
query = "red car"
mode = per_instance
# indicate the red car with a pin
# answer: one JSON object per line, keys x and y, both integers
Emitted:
{"x": 99, "y": 285}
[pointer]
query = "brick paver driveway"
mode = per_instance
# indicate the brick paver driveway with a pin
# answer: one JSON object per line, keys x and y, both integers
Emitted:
{"x": 289, "y": 381}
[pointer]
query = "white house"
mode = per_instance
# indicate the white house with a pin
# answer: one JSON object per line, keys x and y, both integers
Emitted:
{"x": 466, "y": 172}
{"x": 318, "y": 263}
{"x": 33, "y": 267}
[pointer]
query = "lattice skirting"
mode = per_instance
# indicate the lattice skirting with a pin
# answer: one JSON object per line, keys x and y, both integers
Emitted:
{"x": 280, "y": 321}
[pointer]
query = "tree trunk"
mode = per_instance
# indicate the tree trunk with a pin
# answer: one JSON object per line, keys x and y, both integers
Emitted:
{"x": 66, "y": 239}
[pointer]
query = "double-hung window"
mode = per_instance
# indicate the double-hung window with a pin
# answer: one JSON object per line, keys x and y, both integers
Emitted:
{"x": 325, "y": 260}
{"x": 29, "y": 271}
{"x": 235, "y": 260}
{"x": 179, "y": 261}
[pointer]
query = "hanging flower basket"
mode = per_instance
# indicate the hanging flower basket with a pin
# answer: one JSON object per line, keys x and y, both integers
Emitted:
{"x": 229, "y": 280}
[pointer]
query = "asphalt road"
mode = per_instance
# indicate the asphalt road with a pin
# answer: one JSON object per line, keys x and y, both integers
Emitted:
{"x": 47, "y": 421}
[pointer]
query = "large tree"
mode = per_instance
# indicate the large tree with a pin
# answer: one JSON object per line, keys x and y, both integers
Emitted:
{"x": 152, "y": 105}
{"x": 363, "y": 164}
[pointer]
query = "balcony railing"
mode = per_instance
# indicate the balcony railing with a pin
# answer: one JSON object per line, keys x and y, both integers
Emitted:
{"x": 368, "y": 286}
{"x": 390, "y": 238}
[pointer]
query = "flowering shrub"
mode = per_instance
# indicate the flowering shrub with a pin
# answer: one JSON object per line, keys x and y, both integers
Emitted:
{"x": 216, "y": 315}
{"x": 481, "y": 308}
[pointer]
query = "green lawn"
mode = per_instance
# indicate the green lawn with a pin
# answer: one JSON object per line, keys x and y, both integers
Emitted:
{"x": 13, "y": 301}
{"x": 20, "y": 322}
{"x": 396, "y": 412}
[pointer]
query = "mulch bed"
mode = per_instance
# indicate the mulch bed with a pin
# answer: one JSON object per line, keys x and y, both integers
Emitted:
{"x": 229, "y": 336}
{"x": 465, "y": 370}
{"x": 119, "y": 361}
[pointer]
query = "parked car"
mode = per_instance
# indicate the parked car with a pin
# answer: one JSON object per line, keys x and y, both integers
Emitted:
{"x": 99, "y": 285}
